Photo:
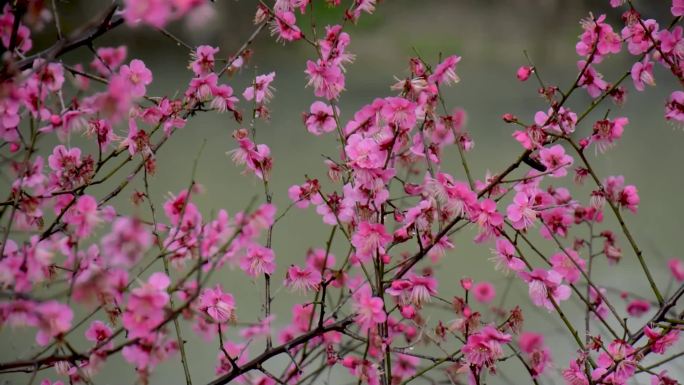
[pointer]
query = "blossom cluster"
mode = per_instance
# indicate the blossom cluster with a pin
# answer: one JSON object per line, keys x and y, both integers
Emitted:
{"x": 389, "y": 197}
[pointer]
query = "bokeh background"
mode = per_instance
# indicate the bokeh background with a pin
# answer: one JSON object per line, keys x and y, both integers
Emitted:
{"x": 490, "y": 36}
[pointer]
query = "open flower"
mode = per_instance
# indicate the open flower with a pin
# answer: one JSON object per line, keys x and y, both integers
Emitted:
{"x": 220, "y": 306}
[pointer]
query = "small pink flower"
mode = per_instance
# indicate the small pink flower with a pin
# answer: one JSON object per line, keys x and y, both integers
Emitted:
{"x": 365, "y": 370}
{"x": 642, "y": 73}
{"x": 598, "y": 39}
{"x": 399, "y": 112}
{"x": 139, "y": 76}
{"x": 415, "y": 289}
{"x": 203, "y": 60}
{"x": 461, "y": 200}
{"x": 661, "y": 378}
{"x": 335, "y": 208}
{"x": 561, "y": 121}
{"x": 660, "y": 342}
{"x": 256, "y": 157}
{"x": 568, "y": 264}
{"x": 319, "y": 259}
{"x": 321, "y": 119}
{"x": 369, "y": 239}
{"x": 220, "y": 306}
{"x": 674, "y": 109}
{"x": 574, "y": 375}
{"x": 238, "y": 352}
{"x": 483, "y": 348}
{"x": 530, "y": 341}
{"x": 538, "y": 356}
{"x": 303, "y": 195}
{"x": 367, "y": 6}
{"x": 620, "y": 357}
{"x": 116, "y": 102}
{"x": 405, "y": 365}
{"x": 364, "y": 152}
{"x": 591, "y": 79}
{"x": 127, "y": 243}
{"x": 672, "y": 42}
{"x": 484, "y": 292}
{"x": 261, "y": 90}
{"x": 98, "y": 332}
{"x": 150, "y": 351}
{"x": 677, "y": 7}
{"x": 521, "y": 212}
{"x": 369, "y": 309}
{"x": 445, "y": 72}
{"x": 50, "y": 75}
{"x": 637, "y": 307}
{"x": 545, "y": 286}
{"x": 285, "y": 26}
{"x": 52, "y": 319}
{"x": 258, "y": 260}
{"x": 531, "y": 138}
{"x": 326, "y": 78}
{"x": 223, "y": 98}
{"x": 555, "y": 160}
{"x": 606, "y": 132}
{"x": 488, "y": 219}
{"x": 466, "y": 283}
{"x": 303, "y": 279}
{"x": 504, "y": 256}
{"x": 108, "y": 59}
{"x": 524, "y": 73}
{"x": 202, "y": 87}
{"x": 145, "y": 310}
{"x": 83, "y": 216}
{"x": 629, "y": 198}
{"x": 153, "y": 12}
{"x": 676, "y": 266}
{"x": 638, "y": 40}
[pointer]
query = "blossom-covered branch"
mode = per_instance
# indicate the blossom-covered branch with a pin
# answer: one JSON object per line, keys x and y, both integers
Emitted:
{"x": 392, "y": 201}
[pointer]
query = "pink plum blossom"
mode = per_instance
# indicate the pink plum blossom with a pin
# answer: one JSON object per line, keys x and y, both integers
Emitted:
{"x": 219, "y": 305}
{"x": 127, "y": 243}
{"x": 52, "y": 319}
{"x": 83, "y": 216}
{"x": 369, "y": 239}
{"x": 642, "y": 73}
{"x": 369, "y": 309}
{"x": 321, "y": 118}
{"x": 504, "y": 256}
{"x": 303, "y": 279}
{"x": 258, "y": 260}
{"x": 139, "y": 76}
{"x": 676, "y": 266}
{"x": 568, "y": 264}
{"x": 556, "y": 160}
{"x": 445, "y": 72}
{"x": 674, "y": 109}
{"x": 521, "y": 212}
{"x": 545, "y": 287}
{"x": 484, "y": 292}
{"x": 261, "y": 90}
{"x": 524, "y": 73}
{"x": 484, "y": 347}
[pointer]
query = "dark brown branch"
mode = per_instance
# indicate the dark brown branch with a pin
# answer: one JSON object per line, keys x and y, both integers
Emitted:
{"x": 84, "y": 36}
{"x": 257, "y": 362}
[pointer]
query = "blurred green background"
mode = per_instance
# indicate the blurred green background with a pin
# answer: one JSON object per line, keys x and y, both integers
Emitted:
{"x": 491, "y": 37}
